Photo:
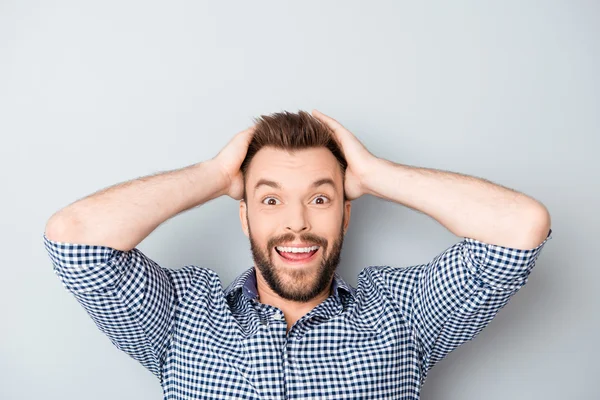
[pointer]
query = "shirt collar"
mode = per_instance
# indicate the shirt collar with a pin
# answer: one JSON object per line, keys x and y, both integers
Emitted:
{"x": 246, "y": 282}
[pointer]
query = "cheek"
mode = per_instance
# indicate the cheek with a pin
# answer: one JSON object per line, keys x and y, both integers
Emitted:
{"x": 328, "y": 222}
{"x": 261, "y": 229}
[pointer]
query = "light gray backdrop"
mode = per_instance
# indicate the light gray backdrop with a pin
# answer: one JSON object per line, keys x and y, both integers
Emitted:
{"x": 96, "y": 93}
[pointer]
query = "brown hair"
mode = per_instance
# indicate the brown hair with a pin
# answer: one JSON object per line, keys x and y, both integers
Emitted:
{"x": 291, "y": 131}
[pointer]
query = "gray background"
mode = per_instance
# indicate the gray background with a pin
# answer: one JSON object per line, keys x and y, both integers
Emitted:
{"x": 96, "y": 93}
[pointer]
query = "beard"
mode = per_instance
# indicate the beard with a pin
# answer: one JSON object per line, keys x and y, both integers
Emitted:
{"x": 305, "y": 286}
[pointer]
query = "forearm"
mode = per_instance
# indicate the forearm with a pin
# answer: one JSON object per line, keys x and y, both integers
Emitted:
{"x": 465, "y": 205}
{"x": 122, "y": 215}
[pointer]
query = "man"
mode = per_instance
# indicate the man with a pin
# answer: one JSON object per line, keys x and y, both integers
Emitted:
{"x": 290, "y": 327}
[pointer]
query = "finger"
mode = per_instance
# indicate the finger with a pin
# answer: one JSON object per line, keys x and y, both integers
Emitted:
{"x": 340, "y": 131}
{"x": 248, "y": 131}
{"x": 246, "y": 134}
{"x": 331, "y": 122}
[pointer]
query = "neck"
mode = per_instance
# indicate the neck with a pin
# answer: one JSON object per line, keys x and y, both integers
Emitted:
{"x": 293, "y": 310}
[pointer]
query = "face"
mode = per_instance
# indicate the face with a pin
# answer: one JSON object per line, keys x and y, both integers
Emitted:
{"x": 295, "y": 217}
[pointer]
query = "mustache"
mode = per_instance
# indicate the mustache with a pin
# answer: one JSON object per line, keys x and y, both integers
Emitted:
{"x": 309, "y": 238}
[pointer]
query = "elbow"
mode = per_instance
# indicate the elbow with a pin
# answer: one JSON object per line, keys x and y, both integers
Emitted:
{"x": 537, "y": 228}
{"x": 542, "y": 221}
{"x": 59, "y": 227}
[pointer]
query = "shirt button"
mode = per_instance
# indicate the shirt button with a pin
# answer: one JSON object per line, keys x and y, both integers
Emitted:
{"x": 278, "y": 316}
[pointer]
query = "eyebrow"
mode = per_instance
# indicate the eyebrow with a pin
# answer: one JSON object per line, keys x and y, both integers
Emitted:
{"x": 277, "y": 185}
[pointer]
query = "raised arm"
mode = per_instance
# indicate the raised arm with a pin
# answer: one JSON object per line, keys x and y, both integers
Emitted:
{"x": 122, "y": 215}
{"x": 449, "y": 300}
{"x": 131, "y": 298}
{"x": 467, "y": 206}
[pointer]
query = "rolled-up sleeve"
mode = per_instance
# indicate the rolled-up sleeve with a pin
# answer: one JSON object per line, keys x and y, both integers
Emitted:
{"x": 449, "y": 300}
{"x": 129, "y": 296}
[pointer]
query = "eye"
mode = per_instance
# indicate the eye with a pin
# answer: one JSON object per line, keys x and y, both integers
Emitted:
{"x": 321, "y": 199}
{"x": 270, "y": 201}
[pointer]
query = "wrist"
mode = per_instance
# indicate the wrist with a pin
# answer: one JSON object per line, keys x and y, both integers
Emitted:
{"x": 370, "y": 173}
{"x": 211, "y": 172}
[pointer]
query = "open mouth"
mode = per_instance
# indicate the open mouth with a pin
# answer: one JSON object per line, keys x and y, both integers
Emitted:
{"x": 296, "y": 256}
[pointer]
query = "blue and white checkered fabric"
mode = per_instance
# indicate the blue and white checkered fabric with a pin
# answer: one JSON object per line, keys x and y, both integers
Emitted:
{"x": 375, "y": 341}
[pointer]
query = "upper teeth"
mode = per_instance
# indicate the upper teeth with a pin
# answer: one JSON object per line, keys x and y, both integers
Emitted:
{"x": 297, "y": 249}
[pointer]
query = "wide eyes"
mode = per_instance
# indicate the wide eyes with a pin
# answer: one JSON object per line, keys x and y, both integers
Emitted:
{"x": 270, "y": 201}
{"x": 319, "y": 200}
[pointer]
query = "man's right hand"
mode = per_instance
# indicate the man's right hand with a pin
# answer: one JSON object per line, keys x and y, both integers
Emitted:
{"x": 230, "y": 160}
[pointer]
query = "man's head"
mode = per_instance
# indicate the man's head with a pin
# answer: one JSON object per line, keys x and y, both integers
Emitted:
{"x": 294, "y": 209}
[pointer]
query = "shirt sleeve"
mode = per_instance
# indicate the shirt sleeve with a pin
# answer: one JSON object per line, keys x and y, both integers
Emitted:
{"x": 130, "y": 298}
{"x": 449, "y": 300}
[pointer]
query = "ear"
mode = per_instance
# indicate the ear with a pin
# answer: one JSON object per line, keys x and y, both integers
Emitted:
{"x": 347, "y": 209}
{"x": 243, "y": 219}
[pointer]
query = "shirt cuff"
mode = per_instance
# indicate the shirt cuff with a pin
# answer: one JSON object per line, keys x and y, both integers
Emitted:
{"x": 83, "y": 267}
{"x": 500, "y": 267}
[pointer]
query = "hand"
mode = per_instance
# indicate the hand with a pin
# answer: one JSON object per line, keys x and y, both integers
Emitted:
{"x": 359, "y": 159}
{"x": 230, "y": 159}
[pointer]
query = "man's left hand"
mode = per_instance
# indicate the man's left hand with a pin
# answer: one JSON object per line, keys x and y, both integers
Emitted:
{"x": 359, "y": 159}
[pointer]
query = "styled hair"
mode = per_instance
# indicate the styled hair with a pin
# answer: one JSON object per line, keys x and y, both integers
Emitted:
{"x": 291, "y": 131}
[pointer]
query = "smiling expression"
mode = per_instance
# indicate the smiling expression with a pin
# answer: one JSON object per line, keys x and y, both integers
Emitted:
{"x": 295, "y": 217}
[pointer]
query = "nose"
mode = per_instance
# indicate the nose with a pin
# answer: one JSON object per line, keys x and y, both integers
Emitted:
{"x": 297, "y": 219}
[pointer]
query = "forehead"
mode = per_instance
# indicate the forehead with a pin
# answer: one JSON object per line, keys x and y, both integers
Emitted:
{"x": 297, "y": 168}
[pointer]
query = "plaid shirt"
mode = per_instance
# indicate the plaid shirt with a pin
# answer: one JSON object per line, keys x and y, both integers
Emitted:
{"x": 375, "y": 341}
